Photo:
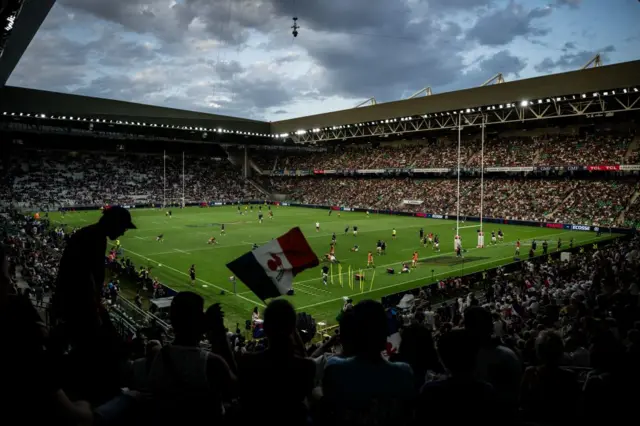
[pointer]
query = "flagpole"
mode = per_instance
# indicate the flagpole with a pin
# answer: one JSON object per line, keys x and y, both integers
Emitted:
{"x": 182, "y": 179}
{"x": 164, "y": 178}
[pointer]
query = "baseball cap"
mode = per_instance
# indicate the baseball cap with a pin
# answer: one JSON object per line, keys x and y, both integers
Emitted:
{"x": 119, "y": 215}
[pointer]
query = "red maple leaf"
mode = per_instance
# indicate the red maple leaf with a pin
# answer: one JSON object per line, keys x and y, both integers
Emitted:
{"x": 274, "y": 263}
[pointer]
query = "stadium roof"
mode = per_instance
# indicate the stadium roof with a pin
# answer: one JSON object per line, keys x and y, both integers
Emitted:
{"x": 19, "y": 24}
{"x": 595, "y": 79}
{"x": 17, "y": 99}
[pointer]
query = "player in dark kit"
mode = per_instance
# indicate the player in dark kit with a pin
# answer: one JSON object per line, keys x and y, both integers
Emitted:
{"x": 325, "y": 274}
{"x": 346, "y": 230}
{"x": 545, "y": 247}
{"x": 330, "y": 211}
{"x": 160, "y": 238}
{"x": 260, "y": 217}
{"x": 534, "y": 245}
{"x": 192, "y": 274}
{"x": 421, "y": 234}
{"x": 559, "y": 243}
{"x": 333, "y": 238}
{"x": 222, "y": 231}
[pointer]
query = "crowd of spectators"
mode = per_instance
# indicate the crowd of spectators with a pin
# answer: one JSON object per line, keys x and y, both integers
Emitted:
{"x": 567, "y": 150}
{"x": 65, "y": 179}
{"x": 589, "y": 202}
{"x": 589, "y": 150}
{"x": 548, "y": 343}
{"x": 552, "y": 343}
{"x": 33, "y": 249}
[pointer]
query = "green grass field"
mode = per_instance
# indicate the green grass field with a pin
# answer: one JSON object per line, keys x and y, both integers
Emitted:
{"x": 186, "y": 235}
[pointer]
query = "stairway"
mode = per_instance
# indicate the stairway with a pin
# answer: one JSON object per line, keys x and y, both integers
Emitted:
{"x": 255, "y": 167}
{"x": 621, "y": 216}
{"x": 259, "y": 187}
{"x": 562, "y": 203}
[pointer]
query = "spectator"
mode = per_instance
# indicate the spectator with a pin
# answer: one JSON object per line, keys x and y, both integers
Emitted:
{"x": 495, "y": 363}
{"x": 141, "y": 367}
{"x": 440, "y": 401}
{"x": 33, "y": 392}
{"x": 189, "y": 383}
{"x": 290, "y": 378}
{"x": 77, "y": 306}
{"x": 549, "y": 391}
{"x": 366, "y": 388}
{"x": 417, "y": 349}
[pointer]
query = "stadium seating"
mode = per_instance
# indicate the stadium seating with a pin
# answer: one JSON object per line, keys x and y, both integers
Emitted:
{"x": 557, "y": 150}
{"x": 562, "y": 200}
{"x": 551, "y": 342}
{"x": 63, "y": 179}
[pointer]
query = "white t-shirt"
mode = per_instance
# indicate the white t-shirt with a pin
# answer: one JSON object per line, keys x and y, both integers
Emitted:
{"x": 430, "y": 318}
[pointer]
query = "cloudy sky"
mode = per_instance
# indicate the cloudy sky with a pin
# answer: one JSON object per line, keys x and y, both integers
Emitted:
{"x": 238, "y": 57}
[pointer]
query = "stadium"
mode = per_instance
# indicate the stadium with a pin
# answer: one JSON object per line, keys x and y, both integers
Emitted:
{"x": 512, "y": 205}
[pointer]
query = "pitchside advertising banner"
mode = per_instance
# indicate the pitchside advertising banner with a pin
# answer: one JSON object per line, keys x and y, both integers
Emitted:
{"x": 294, "y": 172}
{"x": 440, "y": 170}
{"x": 413, "y": 202}
{"x": 403, "y": 171}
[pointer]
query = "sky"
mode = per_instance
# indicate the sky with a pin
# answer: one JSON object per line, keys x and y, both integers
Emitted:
{"x": 239, "y": 58}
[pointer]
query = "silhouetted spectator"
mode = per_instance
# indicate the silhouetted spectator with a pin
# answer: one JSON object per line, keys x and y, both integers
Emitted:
{"x": 275, "y": 382}
{"x": 366, "y": 388}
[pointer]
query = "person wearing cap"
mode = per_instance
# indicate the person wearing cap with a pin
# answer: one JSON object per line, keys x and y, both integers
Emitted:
{"x": 81, "y": 320}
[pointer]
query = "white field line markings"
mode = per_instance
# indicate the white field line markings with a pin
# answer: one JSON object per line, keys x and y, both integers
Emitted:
{"x": 182, "y": 251}
{"x": 262, "y": 242}
{"x": 428, "y": 257}
{"x": 413, "y": 280}
{"x": 253, "y": 302}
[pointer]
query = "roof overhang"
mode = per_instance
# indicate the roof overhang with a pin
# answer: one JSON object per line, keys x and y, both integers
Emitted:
{"x": 26, "y": 20}
{"x": 37, "y": 102}
{"x": 626, "y": 74}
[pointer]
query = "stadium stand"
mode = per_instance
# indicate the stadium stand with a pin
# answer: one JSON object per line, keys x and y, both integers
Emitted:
{"x": 78, "y": 179}
{"x": 547, "y": 342}
{"x": 544, "y": 150}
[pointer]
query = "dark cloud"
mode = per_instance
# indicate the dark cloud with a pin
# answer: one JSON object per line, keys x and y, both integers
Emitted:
{"x": 112, "y": 50}
{"x": 379, "y": 49}
{"x": 122, "y": 87}
{"x": 227, "y": 70}
{"x": 341, "y": 15}
{"x": 574, "y": 4}
{"x": 503, "y": 62}
{"x": 156, "y": 17}
{"x": 191, "y": 53}
{"x": 572, "y": 61}
{"x": 502, "y": 26}
{"x": 458, "y": 5}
